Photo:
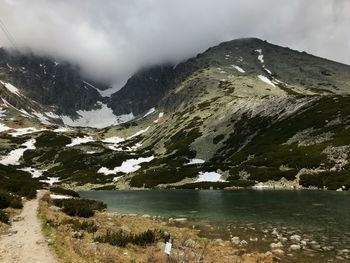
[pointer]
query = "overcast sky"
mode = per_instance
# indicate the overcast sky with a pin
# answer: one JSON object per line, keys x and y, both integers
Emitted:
{"x": 111, "y": 39}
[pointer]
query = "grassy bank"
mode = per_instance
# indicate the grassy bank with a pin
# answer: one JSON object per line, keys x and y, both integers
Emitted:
{"x": 105, "y": 237}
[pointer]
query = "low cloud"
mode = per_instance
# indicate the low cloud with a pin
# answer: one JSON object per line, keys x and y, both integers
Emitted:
{"x": 111, "y": 39}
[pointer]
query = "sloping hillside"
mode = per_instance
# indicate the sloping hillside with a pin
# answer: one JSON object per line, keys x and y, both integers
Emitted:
{"x": 243, "y": 113}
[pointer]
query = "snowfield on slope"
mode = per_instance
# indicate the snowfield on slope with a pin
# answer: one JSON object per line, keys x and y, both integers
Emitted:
{"x": 99, "y": 118}
{"x": 209, "y": 177}
{"x": 128, "y": 166}
{"x": 15, "y": 155}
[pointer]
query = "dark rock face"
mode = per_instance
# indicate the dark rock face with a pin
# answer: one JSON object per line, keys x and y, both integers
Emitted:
{"x": 61, "y": 86}
{"x": 146, "y": 88}
{"x": 49, "y": 83}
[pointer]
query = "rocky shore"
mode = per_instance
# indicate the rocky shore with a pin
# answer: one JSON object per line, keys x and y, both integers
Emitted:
{"x": 79, "y": 245}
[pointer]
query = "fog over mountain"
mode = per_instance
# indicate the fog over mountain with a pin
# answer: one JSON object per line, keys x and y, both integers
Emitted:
{"x": 112, "y": 39}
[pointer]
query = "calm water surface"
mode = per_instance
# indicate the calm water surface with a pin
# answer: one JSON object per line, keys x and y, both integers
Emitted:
{"x": 323, "y": 216}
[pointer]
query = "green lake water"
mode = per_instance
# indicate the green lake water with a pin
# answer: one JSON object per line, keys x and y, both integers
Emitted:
{"x": 320, "y": 216}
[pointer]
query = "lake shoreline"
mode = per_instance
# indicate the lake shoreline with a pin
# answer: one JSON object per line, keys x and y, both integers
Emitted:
{"x": 78, "y": 245}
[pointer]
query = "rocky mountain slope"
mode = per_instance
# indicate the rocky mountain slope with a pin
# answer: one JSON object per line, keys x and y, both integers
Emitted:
{"x": 243, "y": 113}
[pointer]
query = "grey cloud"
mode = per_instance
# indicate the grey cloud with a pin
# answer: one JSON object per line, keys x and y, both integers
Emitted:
{"x": 111, "y": 39}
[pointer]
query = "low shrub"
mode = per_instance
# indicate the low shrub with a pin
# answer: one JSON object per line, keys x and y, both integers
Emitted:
{"x": 79, "y": 207}
{"x": 62, "y": 191}
{"x": 5, "y": 200}
{"x": 9, "y": 200}
{"x": 330, "y": 180}
{"x": 16, "y": 203}
{"x": 4, "y": 218}
{"x": 18, "y": 182}
{"x": 77, "y": 225}
{"x": 122, "y": 239}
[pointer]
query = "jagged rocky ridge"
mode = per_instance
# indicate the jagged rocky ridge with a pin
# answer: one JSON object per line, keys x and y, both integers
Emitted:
{"x": 243, "y": 113}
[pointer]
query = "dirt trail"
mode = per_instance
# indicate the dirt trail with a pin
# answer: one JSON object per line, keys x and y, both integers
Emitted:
{"x": 28, "y": 244}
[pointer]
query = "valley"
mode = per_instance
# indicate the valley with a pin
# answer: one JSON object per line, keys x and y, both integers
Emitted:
{"x": 245, "y": 113}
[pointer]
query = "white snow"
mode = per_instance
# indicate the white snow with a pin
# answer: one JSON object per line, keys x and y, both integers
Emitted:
{"x": 99, "y": 118}
{"x": 150, "y": 111}
{"x": 62, "y": 129}
{"x": 238, "y": 69}
{"x": 54, "y": 196}
{"x": 160, "y": 115}
{"x": 24, "y": 131}
{"x": 196, "y": 161}
{"x": 24, "y": 112}
{"x": 51, "y": 180}
{"x": 92, "y": 86}
{"x": 266, "y": 80}
{"x": 128, "y": 166}
{"x": 261, "y": 56}
{"x": 138, "y": 133}
{"x": 11, "y": 88}
{"x": 80, "y": 140}
{"x": 15, "y": 155}
{"x": 3, "y": 127}
{"x": 35, "y": 173}
{"x": 116, "y": 179}
{"x": 114, "y": 139}
{"x": 42, "y": 118}
{"x": 52, "y": 115}
{"x": 209, "y": 177}
{"x": 2, "y": 113}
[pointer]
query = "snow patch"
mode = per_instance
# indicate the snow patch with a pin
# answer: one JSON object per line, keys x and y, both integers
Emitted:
{"x": 61, "y": 129}
{"x": 196, "y": 161}
{"x": 80, "y": 140}
{"x": 34, "y": 172}
{"x": 42, "y": 118}
{"x": 160, "y": 115}
{"x": 209, "y": 177}
{"x": 238, "y": 69}
{"x": 114, "y": 140}
{"x": 15, "y": 155}
{"x": 92, "y": 86}
{"x": 150, "y": 111}
{"x": 51, "y": 180}
{"x": 138, "y": 133}
{"x": 266, "y": 80}
{"x": 11, "y": 88}
{"x": 99, "y": 118}
{"x": 261, "y": 56}
{"x": 54, "y": 196}
{"x": 25, "y": 131}
{"x": 128, "y": 166}
{"x": 3, "y": 127}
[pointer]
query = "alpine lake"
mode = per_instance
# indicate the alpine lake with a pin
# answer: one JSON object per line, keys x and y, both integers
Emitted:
{"x": 316, "y": 221}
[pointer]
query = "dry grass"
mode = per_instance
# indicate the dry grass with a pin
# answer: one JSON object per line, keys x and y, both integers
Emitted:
{"x": 187, "y": 245}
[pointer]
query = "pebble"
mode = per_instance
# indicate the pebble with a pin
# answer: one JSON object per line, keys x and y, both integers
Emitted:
{"x": 235, "y": 240}
{"x": 243, "y": 243}
{"x": 294, "y": 247}
{"x": 278, "y": 252}
{"x": 295, "y": 238}
{"x": 180, "y": 219}
{"x": 276, "y": 245}
{"x": 339, "y": 258}
{"x": 274, "y": 232}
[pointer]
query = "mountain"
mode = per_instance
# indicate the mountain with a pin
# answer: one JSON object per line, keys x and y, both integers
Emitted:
{"x": 243, "y": 113}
